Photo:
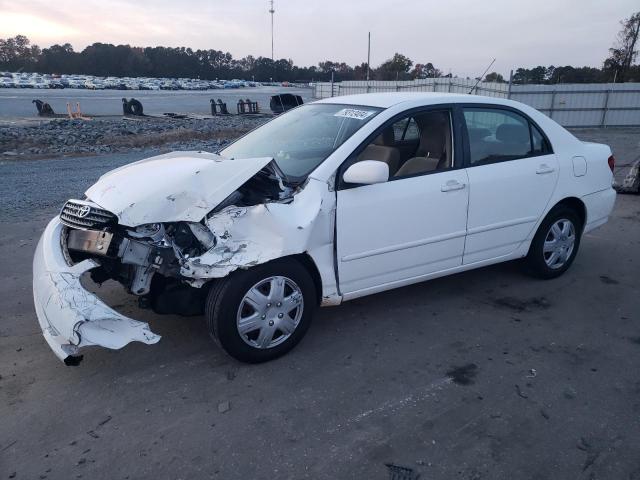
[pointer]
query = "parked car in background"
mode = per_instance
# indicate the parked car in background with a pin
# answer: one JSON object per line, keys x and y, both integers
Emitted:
{"x": 91, "y": 82}
{"x": 331, "y": 201}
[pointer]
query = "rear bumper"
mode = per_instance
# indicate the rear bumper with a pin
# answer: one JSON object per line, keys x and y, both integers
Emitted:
{"x": 599, "y": 206}
{"x": 70, "y": 316}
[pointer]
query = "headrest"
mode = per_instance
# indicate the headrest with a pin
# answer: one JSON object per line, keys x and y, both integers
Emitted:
{"x": 510, "y": 133}
{"x": 386, "y": 138}
{"x": 432, "y": 120}
{"x": 477, "y": 134}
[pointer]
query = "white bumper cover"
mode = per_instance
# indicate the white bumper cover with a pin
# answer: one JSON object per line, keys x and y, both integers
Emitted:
{"x": 70, "y": 316}
{"x": 599, "y": 207}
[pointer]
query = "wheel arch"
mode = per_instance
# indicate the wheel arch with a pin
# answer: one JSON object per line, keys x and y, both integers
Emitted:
{"x": 304, "y": 259}
{"x": 307, "y": 262}
{"x": 575, "y": 204}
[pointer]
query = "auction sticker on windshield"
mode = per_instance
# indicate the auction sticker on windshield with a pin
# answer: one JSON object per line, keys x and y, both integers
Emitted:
{"x": 353, "y": 113}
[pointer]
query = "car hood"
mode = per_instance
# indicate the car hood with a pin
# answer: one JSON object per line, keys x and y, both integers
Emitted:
{"x": 177, "y": 186}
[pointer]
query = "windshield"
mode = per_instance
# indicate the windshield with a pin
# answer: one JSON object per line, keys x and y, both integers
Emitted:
{"x": 303, "y": 138}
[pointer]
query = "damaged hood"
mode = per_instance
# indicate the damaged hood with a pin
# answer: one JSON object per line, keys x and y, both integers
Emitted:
{"x": 178, "y": 186}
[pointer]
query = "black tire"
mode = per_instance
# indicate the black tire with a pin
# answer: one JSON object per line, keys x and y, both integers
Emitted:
{"x": 135, "y": 107}
{"x": 535, "y": 261}
{"x": 224, "y": 301}
{"x": 126, "y": 109}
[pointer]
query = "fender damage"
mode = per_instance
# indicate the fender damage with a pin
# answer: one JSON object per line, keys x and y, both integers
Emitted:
{"x": 255, "y": 220}
{"x": 247, "y": 236}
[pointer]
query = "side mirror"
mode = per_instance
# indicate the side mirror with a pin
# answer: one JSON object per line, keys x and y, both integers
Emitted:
{"x": 367, "y": 172}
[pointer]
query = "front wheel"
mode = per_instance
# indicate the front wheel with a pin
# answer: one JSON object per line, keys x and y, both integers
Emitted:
{"x": 555, "y": 244}
{"x": 259, "y": 314}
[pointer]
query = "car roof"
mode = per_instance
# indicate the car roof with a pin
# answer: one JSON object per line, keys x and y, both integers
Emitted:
{"x": 389, "y": 99}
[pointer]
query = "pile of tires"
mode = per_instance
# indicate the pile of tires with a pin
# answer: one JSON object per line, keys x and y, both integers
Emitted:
{"x": 132, "y": 107}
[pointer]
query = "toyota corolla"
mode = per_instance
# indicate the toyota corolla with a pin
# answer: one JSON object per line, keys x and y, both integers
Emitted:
{"x": 331, "y": 201}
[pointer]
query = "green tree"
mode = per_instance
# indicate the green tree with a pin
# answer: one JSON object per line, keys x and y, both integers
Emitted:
{"x": 17, "y": 53}
{"x": 623, "y": 53}
{"x": 494, "y": 77}
{"x": 425, "y": 70}
{"x": 396, "y": 68}
{"x": 58, "y": 59}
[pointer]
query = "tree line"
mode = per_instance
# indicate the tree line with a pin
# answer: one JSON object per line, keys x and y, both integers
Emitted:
{"x": 17, "y": 54}
{"x": 104, "y": 59}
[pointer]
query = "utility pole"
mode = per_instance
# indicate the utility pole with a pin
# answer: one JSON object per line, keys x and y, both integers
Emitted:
{"x": 271, "y": 11}
{"x": 368, "y": 56}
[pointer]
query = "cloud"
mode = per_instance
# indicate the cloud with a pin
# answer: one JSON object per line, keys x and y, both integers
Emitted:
{"x": 34, "y": 25}
{"x": 460, "y": 35}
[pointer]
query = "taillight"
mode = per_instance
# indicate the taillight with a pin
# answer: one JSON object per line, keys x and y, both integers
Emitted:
{"x": 612, "y": 163}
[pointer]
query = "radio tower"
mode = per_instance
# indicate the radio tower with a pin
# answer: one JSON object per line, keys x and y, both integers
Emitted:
{"x": 271, "y": 11}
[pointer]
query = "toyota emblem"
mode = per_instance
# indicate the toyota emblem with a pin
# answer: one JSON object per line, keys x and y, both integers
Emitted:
{"x": 84, "y": 210}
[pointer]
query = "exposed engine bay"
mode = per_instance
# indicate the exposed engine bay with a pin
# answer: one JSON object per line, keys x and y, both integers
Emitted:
{"x": 148, "y": 259}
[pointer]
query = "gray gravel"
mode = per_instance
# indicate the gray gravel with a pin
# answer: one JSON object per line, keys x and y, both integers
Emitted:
{"x": 77, "y": 137}
{"x": 33, "y": 188}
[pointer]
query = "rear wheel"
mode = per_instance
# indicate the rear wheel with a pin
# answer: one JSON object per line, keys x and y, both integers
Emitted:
{"x": 555, "y": 244}
{"x": 259, "y": 314}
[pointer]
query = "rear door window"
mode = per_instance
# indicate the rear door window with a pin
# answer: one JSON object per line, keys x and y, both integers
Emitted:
{"x": 497, "y": 135}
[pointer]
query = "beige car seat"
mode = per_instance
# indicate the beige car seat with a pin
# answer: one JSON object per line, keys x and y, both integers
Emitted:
{"x": 434, "y": 148}
{"x": 382, "y": 149}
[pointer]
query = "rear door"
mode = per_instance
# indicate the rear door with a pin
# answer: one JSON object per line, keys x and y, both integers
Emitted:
{"x": 512, "y": 174}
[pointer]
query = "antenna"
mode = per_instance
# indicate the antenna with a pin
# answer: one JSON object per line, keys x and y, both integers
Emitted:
{"x": 271, "y": 11}
{"x": 481, "y": 76}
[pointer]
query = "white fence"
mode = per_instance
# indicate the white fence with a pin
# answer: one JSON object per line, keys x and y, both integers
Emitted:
{"x": 571, "y": 105}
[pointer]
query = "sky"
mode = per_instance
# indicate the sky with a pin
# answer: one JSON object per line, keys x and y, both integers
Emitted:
{"x": 461, "y": 36}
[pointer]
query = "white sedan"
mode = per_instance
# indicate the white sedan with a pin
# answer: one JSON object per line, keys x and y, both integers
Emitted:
{"x": 331, "y": 201}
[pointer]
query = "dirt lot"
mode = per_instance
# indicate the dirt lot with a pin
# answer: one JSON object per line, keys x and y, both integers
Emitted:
{"x": 483, "y": 375}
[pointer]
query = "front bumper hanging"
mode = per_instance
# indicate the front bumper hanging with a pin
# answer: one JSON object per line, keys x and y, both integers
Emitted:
{"x": 70, "y": 316}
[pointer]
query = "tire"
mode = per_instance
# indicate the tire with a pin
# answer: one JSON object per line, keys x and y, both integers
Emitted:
{"x": 552, "y": 250}
{"x": 135, "y": 107}
{"x": 243, "y": 300}
{"x": 126, "y": 109}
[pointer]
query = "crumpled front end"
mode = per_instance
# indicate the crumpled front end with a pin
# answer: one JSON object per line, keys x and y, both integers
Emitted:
{"x": 166, "y": 244}
{"x": 70, "y": 316}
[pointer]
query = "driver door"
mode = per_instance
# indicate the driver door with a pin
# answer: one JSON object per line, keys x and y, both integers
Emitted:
{"x": 400, "y": 231}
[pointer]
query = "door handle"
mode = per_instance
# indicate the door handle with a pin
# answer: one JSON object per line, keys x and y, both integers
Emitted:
{"x": 544, "y": 168}
{"x": 452, "y": 185}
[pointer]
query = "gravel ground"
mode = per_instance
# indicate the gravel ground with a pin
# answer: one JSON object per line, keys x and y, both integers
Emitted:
{"x": 99, "y": 136}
